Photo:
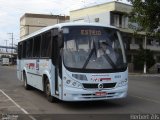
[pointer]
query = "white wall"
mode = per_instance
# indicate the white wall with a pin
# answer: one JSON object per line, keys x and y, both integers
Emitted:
{"x": 104, "y": 18}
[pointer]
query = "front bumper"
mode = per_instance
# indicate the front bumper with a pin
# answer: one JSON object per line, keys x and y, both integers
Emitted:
{"x": 73, "y": 94}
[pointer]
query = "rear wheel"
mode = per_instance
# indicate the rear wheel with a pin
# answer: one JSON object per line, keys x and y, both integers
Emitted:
{"x": 26, "y": 86}
{"x": 48, "y": 92}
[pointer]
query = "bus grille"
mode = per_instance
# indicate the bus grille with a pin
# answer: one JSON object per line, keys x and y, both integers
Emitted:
{"x": 95, "y": 86}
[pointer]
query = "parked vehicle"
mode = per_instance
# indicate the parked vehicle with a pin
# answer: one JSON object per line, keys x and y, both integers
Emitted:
{"x": 5, "y": 61}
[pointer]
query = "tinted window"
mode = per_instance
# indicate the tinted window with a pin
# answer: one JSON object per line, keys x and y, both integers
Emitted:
{"x": 24, "y": 50}
{"x": 36, "y": 46}
{"x": 46, "y": 45}
{"x": 19, "y": 50}
{"x": 29, "y": 48}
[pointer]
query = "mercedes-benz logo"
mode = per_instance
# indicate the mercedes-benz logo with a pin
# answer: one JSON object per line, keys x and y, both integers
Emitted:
{"x": 100, "y": 86}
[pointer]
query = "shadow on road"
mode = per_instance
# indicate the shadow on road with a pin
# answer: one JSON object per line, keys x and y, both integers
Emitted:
{"x": 96, "y": 104}
{"x": 82, "y": 105}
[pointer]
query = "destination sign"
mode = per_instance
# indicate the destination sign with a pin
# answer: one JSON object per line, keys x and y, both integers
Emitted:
{"x": 90, "y": 32}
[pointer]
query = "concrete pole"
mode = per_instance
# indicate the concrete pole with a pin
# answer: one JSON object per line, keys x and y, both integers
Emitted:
{"x": 145, "y": 47}
{"x": 12, "y": 41}
{"x": 6, "y": 44}
{"x": 12, "y": 48}
{"x": 57, "y": 19}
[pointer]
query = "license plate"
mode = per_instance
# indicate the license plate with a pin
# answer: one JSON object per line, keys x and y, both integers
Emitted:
{"x": 101, "y": 93}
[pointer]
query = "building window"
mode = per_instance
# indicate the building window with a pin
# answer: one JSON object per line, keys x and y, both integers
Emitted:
{"x": 116, "y": 20}
{"x": 153, "y": 42}
{"x": 119, "y": 20}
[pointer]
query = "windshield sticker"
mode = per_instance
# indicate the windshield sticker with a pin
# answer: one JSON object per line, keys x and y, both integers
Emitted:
{"x": 65, "y": 30}
{"x": 37, "y": 64}
{"x": 43, "y": 65}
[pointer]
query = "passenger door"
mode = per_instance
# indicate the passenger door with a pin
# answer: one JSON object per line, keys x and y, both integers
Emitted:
{"x": 55, "y": 59}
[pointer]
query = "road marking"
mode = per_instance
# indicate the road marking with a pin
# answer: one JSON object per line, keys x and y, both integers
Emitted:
{"x": 17, "y": 105}
{"x": 147, "y": 99}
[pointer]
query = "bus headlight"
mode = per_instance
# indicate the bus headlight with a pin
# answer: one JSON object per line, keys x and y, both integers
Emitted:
{"x": 68, "y": 82}
{"x": 79, "y": 76}
{"x": 123, "y": 83}
{"x": 72, "y": 83}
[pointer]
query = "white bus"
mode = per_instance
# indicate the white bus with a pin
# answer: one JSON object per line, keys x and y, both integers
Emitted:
{"x": 74, "y": 62}
{"x": 5, "y": 61}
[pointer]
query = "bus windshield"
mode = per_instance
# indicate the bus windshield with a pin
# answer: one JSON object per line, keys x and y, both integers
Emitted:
{"x": 92, "y": 47}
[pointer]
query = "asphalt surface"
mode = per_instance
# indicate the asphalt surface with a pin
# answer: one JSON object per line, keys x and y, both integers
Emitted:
{"x": 143, "y": 98}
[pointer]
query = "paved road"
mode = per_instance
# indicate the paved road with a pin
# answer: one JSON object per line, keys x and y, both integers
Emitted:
{"x": 143, "y": 97}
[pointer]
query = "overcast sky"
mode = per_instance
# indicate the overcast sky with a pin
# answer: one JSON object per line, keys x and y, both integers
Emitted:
{"x": 12, "y": 10}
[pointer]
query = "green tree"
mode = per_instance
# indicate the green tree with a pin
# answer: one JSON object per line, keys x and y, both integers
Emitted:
{"x": 143, "y": 55}
{"x": 147, "y": 14}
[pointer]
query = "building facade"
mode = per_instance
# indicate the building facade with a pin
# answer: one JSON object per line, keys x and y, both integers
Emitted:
{"x": 30, "y": 22}
{"x": 115, "y": 14}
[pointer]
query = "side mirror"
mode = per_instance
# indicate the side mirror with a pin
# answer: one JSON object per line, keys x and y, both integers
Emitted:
{"x": 60, "y": 41}
{"x": 58, "y": 37}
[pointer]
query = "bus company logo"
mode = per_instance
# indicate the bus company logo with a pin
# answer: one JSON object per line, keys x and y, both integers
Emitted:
{"x": 100, "y": 79}
{"x": 100, "y": 86}
{"x": 30, "y": 65}
{"x": 95, "y": 79}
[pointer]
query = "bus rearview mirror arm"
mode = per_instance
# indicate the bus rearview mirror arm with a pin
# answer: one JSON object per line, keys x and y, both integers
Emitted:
{"x": 60, "y": 41}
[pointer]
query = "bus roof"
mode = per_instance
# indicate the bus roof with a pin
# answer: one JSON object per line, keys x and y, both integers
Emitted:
{"x": 60, "y": 25}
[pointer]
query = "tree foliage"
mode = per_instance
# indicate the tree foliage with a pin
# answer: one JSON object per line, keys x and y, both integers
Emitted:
{"x": 147, "y": 14}
{"x": 144, "y": 55}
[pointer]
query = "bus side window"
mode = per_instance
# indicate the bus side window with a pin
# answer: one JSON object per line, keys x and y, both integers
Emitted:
{"x": 46, "y": 44}
{"x": 19, "y": 50}
{"x": 29, "y": 48}
{"x": 36, "y": 46}
{"x": 24, "y": 50}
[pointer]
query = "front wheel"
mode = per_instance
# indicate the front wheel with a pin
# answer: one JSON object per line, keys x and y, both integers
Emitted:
{"x": 48, "y": 92}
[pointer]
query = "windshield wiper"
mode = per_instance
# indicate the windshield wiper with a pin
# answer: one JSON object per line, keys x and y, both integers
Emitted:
{"x": 90, "y": 55}
{"x": 109, "y": 60}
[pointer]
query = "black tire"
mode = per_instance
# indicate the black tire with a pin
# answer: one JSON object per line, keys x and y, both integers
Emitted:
{"x": 25, "y": 84}
{"x": 48, "y": 92}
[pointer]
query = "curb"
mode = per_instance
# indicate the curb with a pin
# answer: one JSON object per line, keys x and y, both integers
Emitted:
{"x": 145, "y": 75}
